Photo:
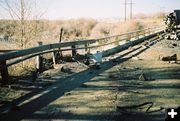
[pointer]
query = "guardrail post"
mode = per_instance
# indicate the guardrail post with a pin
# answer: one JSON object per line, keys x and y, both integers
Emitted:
{"x": 74, "y": 52}
{"x": 129, "y": 37}
{"x": 39, "y": 58}
{"x": 4, "y": 73}
{"x": 54, "y": 58}
{"x": 86, "y": 48}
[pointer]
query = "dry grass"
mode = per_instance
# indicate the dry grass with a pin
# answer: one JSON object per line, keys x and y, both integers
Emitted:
{"x": 48, "y": 32}
{"x": 105, "y": 29}
{"x": 72, "y": 29}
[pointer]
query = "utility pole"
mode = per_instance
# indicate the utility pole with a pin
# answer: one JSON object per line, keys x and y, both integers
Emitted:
{"x": 22, "y": 9}
{"x": 131, "y": 9}
{"x": 125, "y": 10}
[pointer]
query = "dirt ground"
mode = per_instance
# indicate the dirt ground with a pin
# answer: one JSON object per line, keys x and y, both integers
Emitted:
{"x": 118, "y": 93}
{"x": 21, "y": 86}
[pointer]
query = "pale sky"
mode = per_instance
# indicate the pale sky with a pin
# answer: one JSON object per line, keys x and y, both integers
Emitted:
{"x": 65, "y": 9}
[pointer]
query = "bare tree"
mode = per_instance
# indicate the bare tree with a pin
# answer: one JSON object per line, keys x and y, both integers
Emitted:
{"x": 22, "y": 12}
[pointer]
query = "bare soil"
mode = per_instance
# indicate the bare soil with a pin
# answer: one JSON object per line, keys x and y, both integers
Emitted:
{"x": 118, "y": 93}
{"x": 24, "y": 84}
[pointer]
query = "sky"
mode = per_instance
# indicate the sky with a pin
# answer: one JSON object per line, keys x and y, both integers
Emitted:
{"x": 98, "y": 9}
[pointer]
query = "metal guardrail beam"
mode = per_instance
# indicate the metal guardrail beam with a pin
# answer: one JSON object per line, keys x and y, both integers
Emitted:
{"x": 127, "y": 45}
{"x": 40, "y": 49}
{"x": 35, "y": 51}
{"x": 5, "y": 51}
{"x": 19, "y": 53}
{"x": 77, "y": 48}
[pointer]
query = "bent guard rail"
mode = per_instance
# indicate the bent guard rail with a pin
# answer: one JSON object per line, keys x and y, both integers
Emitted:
{"x": 35, "y": 51}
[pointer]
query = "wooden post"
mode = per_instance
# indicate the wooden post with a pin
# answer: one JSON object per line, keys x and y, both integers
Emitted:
{"x": 4, "y": 73}
{"x": 74, "y": 52}
{"x": 60, "y": 36}
{"x": 60, "y": 39}
{"x": 58, "y": 54}
{"x": 89, "y": 49}
{"x": 54, "y": 58}
{"x": 86, "y": 48}
{"x": 130, "y": 36}
{"x": 39, "y": 60}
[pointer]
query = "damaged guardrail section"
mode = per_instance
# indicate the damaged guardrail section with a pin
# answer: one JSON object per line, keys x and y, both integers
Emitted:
{"x": 128, "y": 44}
{"x": 129, "y": 39}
